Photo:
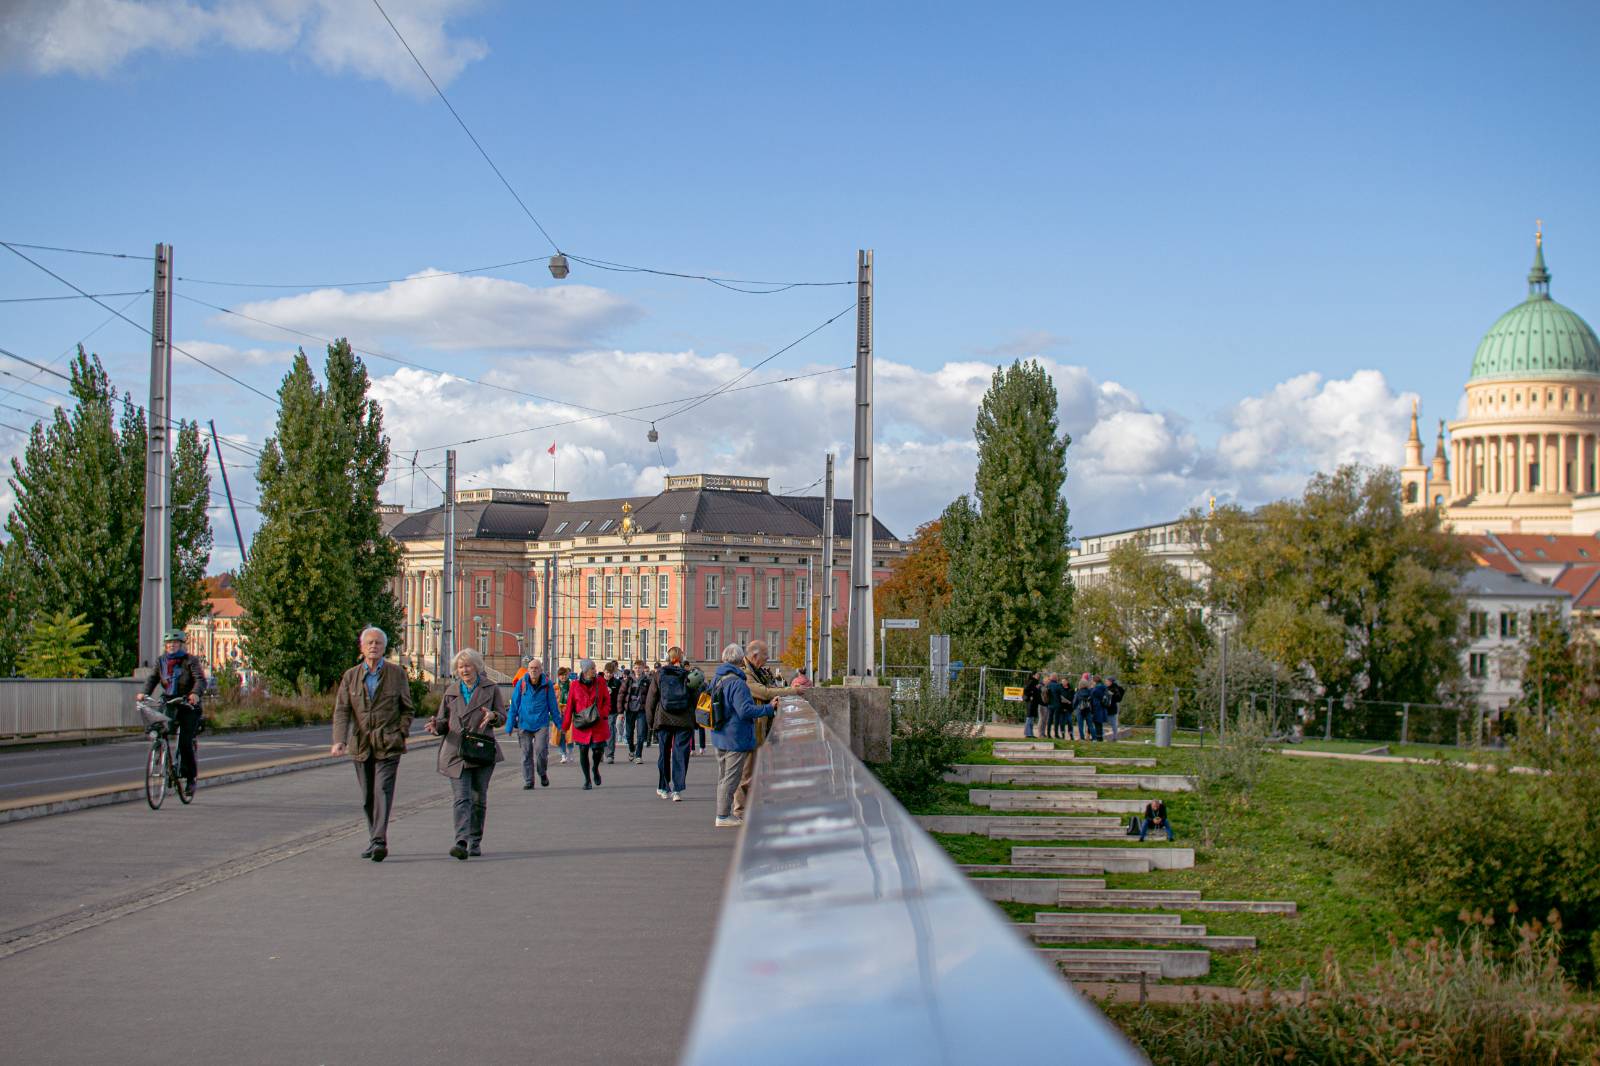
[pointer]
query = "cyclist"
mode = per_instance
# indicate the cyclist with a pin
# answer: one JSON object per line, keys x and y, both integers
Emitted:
{"x": 181, "y": 680}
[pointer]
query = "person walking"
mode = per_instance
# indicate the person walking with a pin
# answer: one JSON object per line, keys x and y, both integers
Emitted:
{"x": 636, "y": 722}
{"x": 1032, "y": 697}
{"x": 764, "y": 689}
{"x": 534, "y": 714}
{"x": 371, "y": 720}
{"x": 563, "y": 685}
{"x": 475, "y": 705}
{"x": 181, "y": 680}
{"x": 588, "y": 719}
{"x": 613, "y": 682}
{"x": 735, "y": 740}
{"x": 669, "y": 708}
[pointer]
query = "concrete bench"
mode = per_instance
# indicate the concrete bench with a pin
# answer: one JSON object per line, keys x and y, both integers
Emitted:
{"x": 1169, "y": 962}
{"x": 1079, "y": 776}
{"x": 1161, "y": 858}
{"x": 1170, "y": 899}
{"x": 1100, "y": 918}
{"x": 1067, "y": 756}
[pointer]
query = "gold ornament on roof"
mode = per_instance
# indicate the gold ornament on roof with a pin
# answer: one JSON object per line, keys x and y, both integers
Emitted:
{"x": 628, "y": 527}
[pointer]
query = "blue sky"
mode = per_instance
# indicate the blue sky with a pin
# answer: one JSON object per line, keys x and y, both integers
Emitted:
{"x": 1185, "y": 210}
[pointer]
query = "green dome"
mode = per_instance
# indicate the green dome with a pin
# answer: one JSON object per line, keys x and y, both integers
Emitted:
{"x": 1538, "y": 337}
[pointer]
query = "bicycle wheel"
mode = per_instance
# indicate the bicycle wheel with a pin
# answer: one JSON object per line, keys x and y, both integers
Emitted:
{"x": 155, "y": 774}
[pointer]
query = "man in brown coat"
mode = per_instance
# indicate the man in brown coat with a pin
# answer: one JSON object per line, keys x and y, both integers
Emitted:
{"x": 763, "y": 689}
{"x": 371, "y": 718}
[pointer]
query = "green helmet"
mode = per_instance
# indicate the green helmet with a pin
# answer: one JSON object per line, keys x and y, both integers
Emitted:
{"x": 175, "y": 634}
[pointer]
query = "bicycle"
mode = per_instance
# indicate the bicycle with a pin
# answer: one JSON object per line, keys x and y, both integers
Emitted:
{"x": 161, "y": 768}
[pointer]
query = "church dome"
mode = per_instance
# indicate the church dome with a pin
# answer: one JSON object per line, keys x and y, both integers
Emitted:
{"x": 1538, "y": 337}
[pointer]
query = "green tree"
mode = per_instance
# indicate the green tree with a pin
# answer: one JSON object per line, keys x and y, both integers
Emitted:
{"x": 1558, "y": 671}
{"x": 918, "y": 586}
{"x": 77, "y": 530}
{"x": 1011, "y": 603}
{"x": 320, "y": 568}
{"x": 1356, "y": 597}
{"x": 1141, "y": 624}
{"x": 58, "y": 646}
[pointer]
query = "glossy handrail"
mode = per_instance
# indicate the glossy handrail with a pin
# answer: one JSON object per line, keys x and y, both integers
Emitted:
{"x": 848, "y": 935}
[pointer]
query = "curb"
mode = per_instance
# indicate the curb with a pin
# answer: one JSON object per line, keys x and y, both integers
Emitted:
{"x": 78, "y": 801}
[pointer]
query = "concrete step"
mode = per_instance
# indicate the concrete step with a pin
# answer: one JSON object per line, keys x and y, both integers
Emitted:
{"x": 1076, "y": 776}
{"x": 1116, "y": 897}
{"x": 1040, "y": 891}
{"x": 1097, "y": 918}
{"x": 1068, "y": 756}
{"x": 980, "y": 823}
{"x": 1071, "y": 869}
{"x": 1065, "y": 802}
{"x": 1084, "y": 974}
{"x": 1160, "y": 856}
{"x": 1045, "y": 832}
{"x": 1024, "y": 745}
{"x": 1180, "y": 936}
{"x": 990, "y": 797}
{"x": 1168, "y": 962}
{"x": 1172, "y": 899}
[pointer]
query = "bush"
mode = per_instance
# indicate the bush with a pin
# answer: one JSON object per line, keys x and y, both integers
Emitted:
{"x": 1430, "y": 1003}
{"x": 930, "y": 735}
{"x": 1480, "y": 842}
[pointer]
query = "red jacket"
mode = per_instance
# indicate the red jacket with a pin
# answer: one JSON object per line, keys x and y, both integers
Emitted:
{"x": 582, "y": 694}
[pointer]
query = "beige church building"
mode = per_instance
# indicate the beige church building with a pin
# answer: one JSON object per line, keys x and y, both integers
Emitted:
{"x": 1526, "y": 457}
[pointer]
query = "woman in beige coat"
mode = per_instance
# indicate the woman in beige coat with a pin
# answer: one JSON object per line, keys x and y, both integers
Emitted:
{"x": 473, "y": 703}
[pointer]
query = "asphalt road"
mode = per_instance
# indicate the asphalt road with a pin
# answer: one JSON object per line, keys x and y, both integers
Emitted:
{"x": 38, "y": 772}
{"x": 245, "y": 928}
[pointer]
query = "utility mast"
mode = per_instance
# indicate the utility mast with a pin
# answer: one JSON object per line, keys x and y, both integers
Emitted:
{"x": 447, "y": 637}
{"x": 860, "y": 645}
{"x": 155, "y": 601}
{"x": 825, "y": 648}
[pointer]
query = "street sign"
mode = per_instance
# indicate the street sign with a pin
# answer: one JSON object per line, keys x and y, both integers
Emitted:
{"x": 1012, "y": 694}
{"x": 902, "y": 623}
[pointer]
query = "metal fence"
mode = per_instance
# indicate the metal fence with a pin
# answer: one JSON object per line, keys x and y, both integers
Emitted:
{"x": 29, "y": 707}
{"x": 847, "y": 935}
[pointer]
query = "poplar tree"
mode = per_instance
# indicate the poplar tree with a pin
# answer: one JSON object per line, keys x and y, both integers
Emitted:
{"x": 320, "y": 569}
{"x": 76, "y": 533}
{"x": 1011, "y": 603}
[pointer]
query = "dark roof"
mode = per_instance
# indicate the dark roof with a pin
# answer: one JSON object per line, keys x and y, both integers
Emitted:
{"x": 698, "y": 510}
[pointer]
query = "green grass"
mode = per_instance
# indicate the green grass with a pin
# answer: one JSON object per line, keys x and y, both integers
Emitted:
{"x": 1281, "y": 844}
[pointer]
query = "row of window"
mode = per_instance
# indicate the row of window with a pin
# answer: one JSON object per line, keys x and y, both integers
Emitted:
{"x": 715, "y": 588}
{"x": 1478, "y": 624}
{"x": 1582, "y": 401}
{"x": 662, "y": 585}
{"x": 622, "y": 644}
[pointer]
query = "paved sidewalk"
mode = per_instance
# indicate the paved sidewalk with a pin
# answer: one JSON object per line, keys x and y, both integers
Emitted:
{"x": 245, "y": 929}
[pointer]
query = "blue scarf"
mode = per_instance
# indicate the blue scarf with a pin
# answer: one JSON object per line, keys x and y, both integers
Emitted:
{"x": 466, "y": 693}
{"x": 171, "y": 666}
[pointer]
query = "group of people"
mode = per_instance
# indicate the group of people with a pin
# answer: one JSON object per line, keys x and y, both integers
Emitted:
{"x": 1071, "y": 712}
{"x": 373, "y": 712}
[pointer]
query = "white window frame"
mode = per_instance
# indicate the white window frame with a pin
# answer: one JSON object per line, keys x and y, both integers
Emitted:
{"x": 627, "y": 591}
{"x": 774, "y": 591}
{"x": 483, "y": 637}
{"x": 627, "y": 645}
{"x": 661, "y": 645}
{"x": 589, "y": 643}
{"x": 427, "y": 594}
{"x": 644, "y": 590}
{"x": 610, "y": 639}
{"x": 713, "y": 645}
{"x": 642, "y": 650}
{"x": 481, "y": 589}
{"x": 712, "y": 597}
{"x": 663, "y": 591}
{"x": 801, "y": 592}
{"x": 594, "y": 591}
{"x": 741, "y": 591}
{"x": 611, "y": 591}
{"x": 774, "y": 649}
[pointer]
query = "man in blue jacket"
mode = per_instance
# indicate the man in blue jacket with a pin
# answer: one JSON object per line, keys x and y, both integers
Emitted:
{"x": 533, "y": 715}
{"x": 735, "y": 741}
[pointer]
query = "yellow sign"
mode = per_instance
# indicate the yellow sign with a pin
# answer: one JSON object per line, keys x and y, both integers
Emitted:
{"x": 1013, "y": 694}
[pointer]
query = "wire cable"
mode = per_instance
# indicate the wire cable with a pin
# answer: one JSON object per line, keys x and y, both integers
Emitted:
{"x": 351, "y": 284}
{"x": 77, "y": 251}
{"x": 394, "y": 358}
{"x": 142, "y": 328}
{"x": 52, "y": 299}
{"x": 462, "y": 123}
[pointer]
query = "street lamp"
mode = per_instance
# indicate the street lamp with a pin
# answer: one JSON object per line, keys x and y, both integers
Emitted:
{"x": 558, "y": 266}
{"x": 1224, "y": 618}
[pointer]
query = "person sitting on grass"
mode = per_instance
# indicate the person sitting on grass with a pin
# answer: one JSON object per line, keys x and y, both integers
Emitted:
{"x": 1155, "y": 817}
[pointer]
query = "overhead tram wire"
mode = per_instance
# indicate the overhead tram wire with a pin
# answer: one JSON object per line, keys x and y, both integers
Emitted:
{"x": 141, "y": 327}
{"x": 53, "y": 299}
{"x": 395, "y": 358}
{"x": 731, "y": 284}
{"x": 356, "y": 284}
{"x": 76, "y": 251}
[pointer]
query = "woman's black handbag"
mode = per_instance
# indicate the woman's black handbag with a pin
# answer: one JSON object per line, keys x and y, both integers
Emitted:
{"x": 477, "y": 749}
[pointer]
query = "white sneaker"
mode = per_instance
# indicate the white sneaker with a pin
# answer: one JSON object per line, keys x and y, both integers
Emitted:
{"x": 563, "y": 758}
{"x": 729, "y": 823}
{"x": 662, "y": 793}
{"x": 677, "y": 797}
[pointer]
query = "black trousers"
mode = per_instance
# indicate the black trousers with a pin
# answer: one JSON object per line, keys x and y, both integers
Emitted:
{"x": 188, "y": 719}
{"x": 376, "y": 777}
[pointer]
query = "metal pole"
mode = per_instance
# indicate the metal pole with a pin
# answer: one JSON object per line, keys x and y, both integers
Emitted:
{"x": 861, "y": 622}
{"x": 549, "y": 620}
{"x": 983, "y": 678}
{"x": 811, "y": 598}
{"x": 155, "y": 602}
{"x": 1327, "y": 729}
{"x": 1405, "y": 721}
{"x": 825, "y": 651}
{"x": 1222, "y": 707}
{"x": 447, "y": 641}
{"x": 223, "y": 467}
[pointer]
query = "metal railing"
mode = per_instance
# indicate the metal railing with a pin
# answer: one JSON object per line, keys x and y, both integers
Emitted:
{"x": 848, "y": 935}
{"x": 31, "y": 706}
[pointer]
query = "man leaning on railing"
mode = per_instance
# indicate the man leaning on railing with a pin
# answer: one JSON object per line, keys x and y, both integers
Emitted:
{"x": 735, "y": 739}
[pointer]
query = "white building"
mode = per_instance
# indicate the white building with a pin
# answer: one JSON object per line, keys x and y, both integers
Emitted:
{"x": 1090, "y": 561}
{"x": 1500, "y": 608}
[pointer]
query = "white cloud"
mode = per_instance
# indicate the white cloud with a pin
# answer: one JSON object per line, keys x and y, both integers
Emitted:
{"x": 226, "y": 355}
{"x": 93, "y": 37}
{"x": 450, "y": 312}
{"x": 1128, "y": 464}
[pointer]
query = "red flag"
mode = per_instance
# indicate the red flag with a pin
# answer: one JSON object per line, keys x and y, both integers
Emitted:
{"x": 552, "y": 447}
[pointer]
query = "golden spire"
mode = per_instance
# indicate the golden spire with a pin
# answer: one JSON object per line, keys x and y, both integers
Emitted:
{"x": 1538, "y": 233}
